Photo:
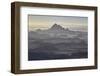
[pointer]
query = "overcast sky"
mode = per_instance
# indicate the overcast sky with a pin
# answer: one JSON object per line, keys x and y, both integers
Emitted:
{"x": 45, "y": 22}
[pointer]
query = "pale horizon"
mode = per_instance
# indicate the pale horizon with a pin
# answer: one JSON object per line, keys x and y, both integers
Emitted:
{"x": 46, "y": 21}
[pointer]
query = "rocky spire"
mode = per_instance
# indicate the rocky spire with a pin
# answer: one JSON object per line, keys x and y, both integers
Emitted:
{"x": 56, "y": 27}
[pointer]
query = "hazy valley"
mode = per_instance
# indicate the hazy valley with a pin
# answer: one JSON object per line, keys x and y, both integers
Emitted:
{"x": 57, "y": 43}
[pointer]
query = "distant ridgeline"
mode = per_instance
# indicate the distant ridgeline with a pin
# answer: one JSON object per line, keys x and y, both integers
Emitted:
{"x": 56, "y": 27}
{"x": 57, "y": 31}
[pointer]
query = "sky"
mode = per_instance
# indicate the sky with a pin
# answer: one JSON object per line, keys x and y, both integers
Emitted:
{"x": 46, "y": 21}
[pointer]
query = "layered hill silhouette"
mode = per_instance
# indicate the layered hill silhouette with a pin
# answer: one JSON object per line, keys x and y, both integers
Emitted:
{"x": 57, "y": 43}
{"x": 55, "y": 27}
{"x": 57, "y": 31}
